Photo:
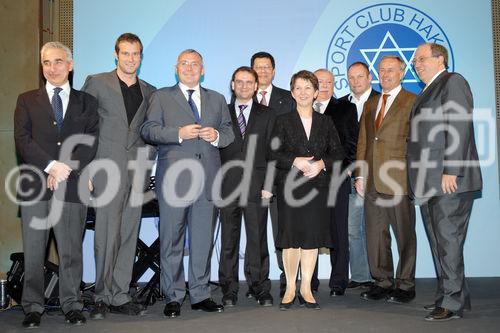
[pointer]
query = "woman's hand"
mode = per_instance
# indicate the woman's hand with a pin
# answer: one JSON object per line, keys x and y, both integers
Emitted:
{"x": 302, "y": 163}
{"x": 314, "y": 169}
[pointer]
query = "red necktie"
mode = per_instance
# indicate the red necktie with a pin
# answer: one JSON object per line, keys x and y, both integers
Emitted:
{"x": 380, "y": 116}
{"x": 263, "y": 100}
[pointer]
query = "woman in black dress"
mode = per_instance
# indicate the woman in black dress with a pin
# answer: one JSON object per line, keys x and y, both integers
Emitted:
{"x": 308, "y": 147}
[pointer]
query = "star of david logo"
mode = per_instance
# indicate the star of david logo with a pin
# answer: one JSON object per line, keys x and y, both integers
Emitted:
{"x": 389, "y": 46}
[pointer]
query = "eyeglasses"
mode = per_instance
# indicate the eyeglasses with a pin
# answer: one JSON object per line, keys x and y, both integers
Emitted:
{"x": 421, "y": 59}
{"x": 266, "y": 68}
{"x": 185, "y": 64}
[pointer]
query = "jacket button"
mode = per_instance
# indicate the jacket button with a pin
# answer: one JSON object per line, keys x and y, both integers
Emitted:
{"x": 54, "y": 123}
{"x": 58, "y": 143}
{"x": 376, "y": 139}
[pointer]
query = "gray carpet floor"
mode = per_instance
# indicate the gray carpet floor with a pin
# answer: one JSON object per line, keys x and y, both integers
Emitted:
{"x": 340, "y": 314}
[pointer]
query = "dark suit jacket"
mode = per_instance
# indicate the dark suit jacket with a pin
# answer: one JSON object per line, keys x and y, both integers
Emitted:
{"x": 386, "y": 144}
{"x": 259, "y": 124}
{"x": 446, "y": 102}
{"x": 323, "y": 143}
{"x": 345, "y": 119}
{"x": 38, "y": 140}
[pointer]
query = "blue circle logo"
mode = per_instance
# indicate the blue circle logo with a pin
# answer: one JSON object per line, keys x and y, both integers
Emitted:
{"x": 380, "y": 30}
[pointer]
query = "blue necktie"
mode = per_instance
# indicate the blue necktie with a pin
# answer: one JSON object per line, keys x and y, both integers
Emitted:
{"x": 241, "y": 120}
{"x": 193, "y": 105}
{"x": 57, "y": 107}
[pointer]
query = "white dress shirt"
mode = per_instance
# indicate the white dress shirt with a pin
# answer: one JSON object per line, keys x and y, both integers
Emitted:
{"x": 269, "y": 91}
{"x": 360, "y": 103}
{"x": 392, "y": 96}
{"x": 433, "y": 78}
{"x": 246, "y": 112}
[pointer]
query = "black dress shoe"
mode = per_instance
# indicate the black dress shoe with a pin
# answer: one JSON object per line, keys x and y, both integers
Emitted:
{"x": 442, "y": 314}
{"x": 75, "y": 317}
{"x": 32, "y": 320}
{"x": 337, "y": 291}
{"x": 207, "y": 305}
{"x": 129, "y": 308}
{"x": 356, "y": 284}
{"x": 172, "y": 310}
{"x": 400, "y": 296}
{"x": 375, "y": 293}
{"x": 265, "y": 299}
{"x": 229, "y": 300}
{"x": 286, "y": 306}
{"x": 309, "y": 305}
{"x": 99, "y": 311}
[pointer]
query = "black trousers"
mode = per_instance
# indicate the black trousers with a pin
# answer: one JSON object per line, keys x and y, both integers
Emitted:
{"x": 256, "y": 253}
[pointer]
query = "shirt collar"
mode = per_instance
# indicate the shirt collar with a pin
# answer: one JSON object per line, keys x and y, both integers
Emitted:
{"x": 185, "y": 88}
{"x": 66, "y": 88}
{"x": 269, "y": 89}
{"x": 363, "y": 98}
{"x": 237, "y": 103}
{"x": 434, "y": 77}
{"x": 393, "y": 93}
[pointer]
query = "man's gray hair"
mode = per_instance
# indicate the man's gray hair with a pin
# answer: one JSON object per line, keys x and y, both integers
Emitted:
{"x": 57, "y": 45}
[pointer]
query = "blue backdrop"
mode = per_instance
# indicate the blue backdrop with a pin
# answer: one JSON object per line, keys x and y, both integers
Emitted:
{"x": 309, "y": 35}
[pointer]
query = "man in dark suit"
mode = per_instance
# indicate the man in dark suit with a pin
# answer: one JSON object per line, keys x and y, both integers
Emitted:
{"x": 443, "y": 179}
{"x": 382, "y": 137}
{"x": 360, "y": 84}
{"x": 189, "y": 123}
{"x": 252, "y": 126}
{"x": 123, "y": 100}
{"x": 44, "y": 122}
{"x": 344, "y": 117}
{"x": 281, "y": 101}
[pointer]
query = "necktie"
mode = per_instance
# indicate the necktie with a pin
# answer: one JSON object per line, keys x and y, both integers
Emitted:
{"x": 193, "y": 105}
{"x": 380, "y": 116}
{"x": 57, "y": 107}
{"x": 241, "y": 120}
{"x": 317, "y": 107}
{"x": 263, "y": 100}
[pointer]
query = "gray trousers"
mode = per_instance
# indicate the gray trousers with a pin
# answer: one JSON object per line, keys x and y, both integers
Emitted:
{"x": 115, "y": 239}
{"x": 68, "y": 232}
{"x": 446, "y": 219}
{"x": 198, "y": 218}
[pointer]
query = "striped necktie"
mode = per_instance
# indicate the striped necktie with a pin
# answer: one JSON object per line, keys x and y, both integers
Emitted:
{"x": 241, "y": 120}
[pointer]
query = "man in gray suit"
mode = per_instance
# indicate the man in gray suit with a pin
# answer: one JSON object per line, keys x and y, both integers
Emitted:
{"x": 123, "y": 100}
{"x": 444, "y": 173}
{"x": 189, "y": 123}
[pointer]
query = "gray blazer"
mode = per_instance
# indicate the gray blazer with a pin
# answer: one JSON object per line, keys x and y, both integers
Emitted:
{"x": 117, "y": 140}
{"x": 447, "y": 102}
{"x": 168, "y": 111}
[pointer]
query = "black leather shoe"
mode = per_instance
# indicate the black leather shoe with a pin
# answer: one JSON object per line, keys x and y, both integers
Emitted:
{"x": 375, "y": 293}
{"x": 442, "y": 314}
{"x": 32, "y": 320}
{"x": 129, "y": 308}
{"x": 309, "y": 305}
{"x": 229, "y": 300}
{"x": 207, "y": 305}
{"x": 400, "y": 296}
{"x": 172, "y": 310}
{"x": 355, "y": 284}
{"x": 75, "y": 317}
{"x": 337, "y": 291}
{"x": 265, "y": 299}
{"x": 286, "y": 306}
{"x": 99, "y": 311}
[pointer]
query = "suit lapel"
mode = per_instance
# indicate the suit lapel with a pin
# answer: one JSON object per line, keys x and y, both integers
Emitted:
{"x": 314, "y": 128}
{"x": 74, "y": 108}
{"x": 139, "y": 114}
{"x": 115, "y": 86}
{"x": 182, "y": 101}
{"x": 424, "y": 93}
{"x": 393, "y": 110}
{"x": 43, "y": 100}
{"x": 252, "y": 119}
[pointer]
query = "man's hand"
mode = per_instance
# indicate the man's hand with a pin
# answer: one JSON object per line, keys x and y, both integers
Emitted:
{"x": 302, "y": 163}
{"x": 449, "y": 184}
{"x": 189, "y": 131}
{"x": 60, "y": 171}
{"x": 359, "y": 184}
{"x": 314, "y": 169}
{"x": 52, "y": 183}
{"x": 208, "y": 134}
{"x": 265, "y": 194}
